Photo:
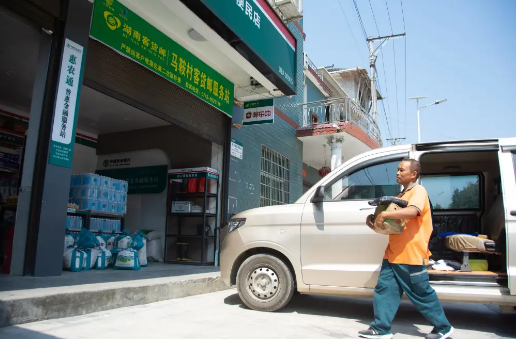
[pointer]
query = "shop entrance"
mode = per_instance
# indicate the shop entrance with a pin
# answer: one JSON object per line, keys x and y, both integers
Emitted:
{"x": 128, "y": 137}
{"x": 19, "y": 48}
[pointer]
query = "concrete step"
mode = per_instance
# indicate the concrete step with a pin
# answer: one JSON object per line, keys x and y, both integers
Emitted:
{"x": 23, "y": 306}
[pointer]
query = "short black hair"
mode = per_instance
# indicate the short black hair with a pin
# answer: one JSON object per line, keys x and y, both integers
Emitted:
{"x": 415, "y": 166}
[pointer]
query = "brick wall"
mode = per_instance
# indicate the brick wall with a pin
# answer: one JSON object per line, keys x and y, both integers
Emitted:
{"x": 279, "y": 136}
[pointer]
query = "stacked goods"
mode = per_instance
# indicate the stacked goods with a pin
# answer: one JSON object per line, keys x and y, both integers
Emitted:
{"x": 107, "y": 225}
{"x": 9, "y": 161}
{"x": 74, "y": 223}
{"x": 90, "y": 251}
{"x": 98, "y": 193}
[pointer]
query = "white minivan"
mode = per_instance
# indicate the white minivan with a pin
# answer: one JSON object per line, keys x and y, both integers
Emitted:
{"x": 321, "y": 244}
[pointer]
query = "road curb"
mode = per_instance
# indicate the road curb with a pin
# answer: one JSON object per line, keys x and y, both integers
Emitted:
{"x": 68, "y": 302}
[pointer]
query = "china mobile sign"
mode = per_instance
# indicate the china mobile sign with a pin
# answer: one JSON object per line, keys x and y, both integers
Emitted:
{"x": 259, "y": 112}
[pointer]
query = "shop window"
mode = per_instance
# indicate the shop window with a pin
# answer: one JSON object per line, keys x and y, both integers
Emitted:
{"x": 275, "y": 178}
{"x": 368, "y": 183}
{"x": 454, "y": 192}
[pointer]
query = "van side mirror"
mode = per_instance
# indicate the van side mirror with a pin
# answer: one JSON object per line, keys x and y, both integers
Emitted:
{"x": 318, "y": 195}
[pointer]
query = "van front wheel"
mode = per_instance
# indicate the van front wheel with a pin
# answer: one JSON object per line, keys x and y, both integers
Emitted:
{"x": 265, "y": 283}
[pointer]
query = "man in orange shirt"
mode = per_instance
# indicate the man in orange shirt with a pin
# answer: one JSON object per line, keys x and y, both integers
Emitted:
{"x": 404, "y": 265}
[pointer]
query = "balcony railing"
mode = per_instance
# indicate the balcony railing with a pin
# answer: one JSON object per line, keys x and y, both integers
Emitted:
{"x": 310, "y": 65}
{"x": 318, "y": 74}
{"x": 340, "y": 110}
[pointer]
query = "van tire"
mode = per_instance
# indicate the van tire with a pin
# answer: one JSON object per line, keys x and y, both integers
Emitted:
{"x": 284, "y": 284}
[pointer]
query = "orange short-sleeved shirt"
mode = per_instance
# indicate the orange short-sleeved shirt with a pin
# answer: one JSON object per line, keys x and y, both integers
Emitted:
{"x": 411, "y": 247}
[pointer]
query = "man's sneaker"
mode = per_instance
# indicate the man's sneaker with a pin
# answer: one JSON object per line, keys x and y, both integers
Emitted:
{"x": 440, "y": 335}
{"x": 371, "y": 333}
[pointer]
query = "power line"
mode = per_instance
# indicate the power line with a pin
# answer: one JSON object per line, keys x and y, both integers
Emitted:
{"x": 388, "y": 126}
{"x": 390, "y": 24}
{"x": 360, "y": 20}
{"x": 405, "y": 70}
{"x": 394, "y": 63}
{"x": 382, "y": 55}
{"x": 383, "y": 103}
{"x": 351, "y": 31}
{"x": 372, "y": 12}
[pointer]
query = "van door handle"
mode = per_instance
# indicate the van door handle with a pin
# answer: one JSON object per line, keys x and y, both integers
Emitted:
{"x": 367, "y": 208}
{"x": 512, "y": 213}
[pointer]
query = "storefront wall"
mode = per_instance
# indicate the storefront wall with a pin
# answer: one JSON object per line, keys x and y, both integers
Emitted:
{"x": 279, "y": 137}
{"x": 197, "y": 137}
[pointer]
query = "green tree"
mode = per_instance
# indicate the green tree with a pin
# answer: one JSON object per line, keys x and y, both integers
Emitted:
{"x": 437, "y": 206}
{"x": 466, "y": 198}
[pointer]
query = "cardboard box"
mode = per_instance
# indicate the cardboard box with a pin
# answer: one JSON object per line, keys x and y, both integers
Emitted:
{"x": 181, "y": 207}
{"x": 390, "y": 226}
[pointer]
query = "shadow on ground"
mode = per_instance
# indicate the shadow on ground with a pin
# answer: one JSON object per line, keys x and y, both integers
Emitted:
{"x": 463, "y": 317}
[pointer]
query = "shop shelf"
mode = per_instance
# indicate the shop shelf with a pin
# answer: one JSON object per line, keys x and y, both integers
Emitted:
{"x": 192, "y": 262}
{"x": 8, "y": 170}
{"x": 195, "y": 195}
{"x": 189, "y": 236}
{"x": 208, "y": 215}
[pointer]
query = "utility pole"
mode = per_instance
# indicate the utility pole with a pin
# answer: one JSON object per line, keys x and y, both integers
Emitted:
{"x": 372, "y": 60}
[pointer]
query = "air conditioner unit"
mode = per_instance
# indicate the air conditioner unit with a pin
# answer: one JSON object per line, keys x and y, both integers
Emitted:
{"x": 290, "y": 9}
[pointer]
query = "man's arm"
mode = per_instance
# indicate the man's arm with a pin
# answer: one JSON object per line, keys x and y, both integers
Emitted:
{"x": 404, "y": 213}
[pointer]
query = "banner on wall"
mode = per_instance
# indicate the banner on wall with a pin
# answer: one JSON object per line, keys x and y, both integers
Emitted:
{"x": 145, "y": 171}
{"x": 259, "y": 112}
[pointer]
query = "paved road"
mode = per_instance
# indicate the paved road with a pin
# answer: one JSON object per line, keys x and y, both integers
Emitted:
{"x": 221, "y": 315}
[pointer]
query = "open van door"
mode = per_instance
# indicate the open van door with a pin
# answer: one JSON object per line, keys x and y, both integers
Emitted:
{"x": 507, "y": 164}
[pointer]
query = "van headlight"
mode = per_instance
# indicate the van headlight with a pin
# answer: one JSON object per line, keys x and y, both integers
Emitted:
{"x": 235, "y": 224}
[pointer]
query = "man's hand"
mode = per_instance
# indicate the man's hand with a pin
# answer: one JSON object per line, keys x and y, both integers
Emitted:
{"x": 370, "y": 221}
{"x": 381, "y": 218}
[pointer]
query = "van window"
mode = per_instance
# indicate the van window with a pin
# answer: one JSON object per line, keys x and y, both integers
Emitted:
{"x": 453, "y": 192}
{"x": 368, "y": 183}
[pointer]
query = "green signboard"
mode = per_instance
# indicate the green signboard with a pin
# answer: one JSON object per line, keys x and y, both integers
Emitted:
{"x": 141, "y": 180}
{"x": 118, "y": 27}
{"x": 259, "y": 112}
{"x": 256, "y": 24}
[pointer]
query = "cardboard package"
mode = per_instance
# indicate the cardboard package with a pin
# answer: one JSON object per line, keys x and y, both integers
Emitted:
{"x": 390, "y": 226}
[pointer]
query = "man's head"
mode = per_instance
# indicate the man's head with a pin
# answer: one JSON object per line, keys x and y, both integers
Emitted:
{"x": 408, "y": 172}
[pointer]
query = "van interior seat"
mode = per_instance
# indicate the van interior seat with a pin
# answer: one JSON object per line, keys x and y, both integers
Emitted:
{"x": 464, "y": 222}
{"x": 494, "y": 221}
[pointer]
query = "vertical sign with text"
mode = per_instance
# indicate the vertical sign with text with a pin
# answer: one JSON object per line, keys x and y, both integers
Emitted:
{"x": 236, "y": 149}
{"x": 66, "y": 107}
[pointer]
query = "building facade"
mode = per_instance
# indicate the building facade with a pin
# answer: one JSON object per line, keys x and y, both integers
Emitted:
{"x": 139, "y": 92}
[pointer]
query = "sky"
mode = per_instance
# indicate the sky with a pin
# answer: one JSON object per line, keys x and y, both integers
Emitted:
{"x": 460, "y": 50}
